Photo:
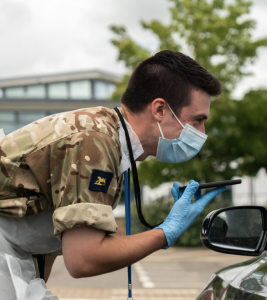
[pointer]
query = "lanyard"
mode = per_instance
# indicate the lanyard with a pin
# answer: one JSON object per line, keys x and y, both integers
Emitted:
{"x": 128, "y": 198}
{"x": 127, "y": 192}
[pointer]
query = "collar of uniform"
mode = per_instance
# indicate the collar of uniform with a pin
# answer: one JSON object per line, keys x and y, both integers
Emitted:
{"x": 136, "y": 145}
{"x": 118, "y": 123}
{"x": 123, "y": 113}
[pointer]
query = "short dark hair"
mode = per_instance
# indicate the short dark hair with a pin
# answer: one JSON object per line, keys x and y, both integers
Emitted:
{"x": 169, "y": 75}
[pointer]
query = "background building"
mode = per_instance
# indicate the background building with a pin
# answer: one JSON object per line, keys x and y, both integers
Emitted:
{"x": 26, "y": 99}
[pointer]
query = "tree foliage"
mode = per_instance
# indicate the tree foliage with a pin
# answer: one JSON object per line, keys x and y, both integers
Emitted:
{"x": 218, "y": 35}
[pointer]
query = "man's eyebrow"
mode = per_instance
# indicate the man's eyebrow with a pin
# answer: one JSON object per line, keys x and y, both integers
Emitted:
{"x": 201, "y": 116}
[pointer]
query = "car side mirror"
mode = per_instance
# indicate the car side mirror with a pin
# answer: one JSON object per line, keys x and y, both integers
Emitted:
{"x": 238, "y": 230}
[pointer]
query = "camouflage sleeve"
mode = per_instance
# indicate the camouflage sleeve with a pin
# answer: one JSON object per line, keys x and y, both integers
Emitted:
{"x": 75, "y": 163}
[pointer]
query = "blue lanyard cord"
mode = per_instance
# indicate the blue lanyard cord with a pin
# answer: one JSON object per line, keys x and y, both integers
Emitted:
{"x": 127, "y": 192}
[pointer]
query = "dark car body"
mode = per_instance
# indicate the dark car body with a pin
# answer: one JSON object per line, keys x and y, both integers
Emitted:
{"x": 246, "y": 281}
{"x": 242, "y": 281}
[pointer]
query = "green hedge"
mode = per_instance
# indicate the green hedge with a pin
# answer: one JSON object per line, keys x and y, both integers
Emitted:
{"x": 156, "y": 211}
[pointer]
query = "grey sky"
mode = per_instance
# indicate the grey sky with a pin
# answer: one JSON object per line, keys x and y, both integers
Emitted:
{"x": 47, "y": 36}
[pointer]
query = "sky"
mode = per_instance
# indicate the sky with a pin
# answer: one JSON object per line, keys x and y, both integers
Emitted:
{"x": 53, "y": 36}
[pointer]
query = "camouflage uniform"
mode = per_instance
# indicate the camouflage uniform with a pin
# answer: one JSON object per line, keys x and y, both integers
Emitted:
{"x": 48, "y": 165}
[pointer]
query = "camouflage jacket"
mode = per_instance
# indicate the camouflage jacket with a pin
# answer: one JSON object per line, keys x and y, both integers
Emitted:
{"x": 68, "y": 163}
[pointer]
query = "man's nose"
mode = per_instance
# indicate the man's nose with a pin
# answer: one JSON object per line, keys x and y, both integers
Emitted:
{"x": 202, "y": 129}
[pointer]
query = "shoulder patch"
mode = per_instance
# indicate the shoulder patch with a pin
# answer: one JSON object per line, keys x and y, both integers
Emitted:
{"x": 100, "y": 180}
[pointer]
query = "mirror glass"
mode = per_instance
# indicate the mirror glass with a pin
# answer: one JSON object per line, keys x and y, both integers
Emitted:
{"x": 239, "y": 228}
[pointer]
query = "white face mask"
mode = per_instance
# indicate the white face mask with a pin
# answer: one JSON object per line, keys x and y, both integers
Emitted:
{"x": 182, "y": 149}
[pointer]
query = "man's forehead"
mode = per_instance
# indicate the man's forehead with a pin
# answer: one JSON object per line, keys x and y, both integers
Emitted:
{"x": 201, "y": 108}
{"x": 200, "y": 98}
{"x": 196, "y": 111}
{"x": 200, "y": 103}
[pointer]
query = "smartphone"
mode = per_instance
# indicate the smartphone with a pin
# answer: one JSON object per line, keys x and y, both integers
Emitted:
{"x": 210, "y": 185}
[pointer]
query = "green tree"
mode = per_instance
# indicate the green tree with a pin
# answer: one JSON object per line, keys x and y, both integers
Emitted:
{"x": 218, "y": 35}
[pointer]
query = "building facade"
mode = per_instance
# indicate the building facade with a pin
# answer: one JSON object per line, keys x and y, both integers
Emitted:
{"x": 26, "y": 99}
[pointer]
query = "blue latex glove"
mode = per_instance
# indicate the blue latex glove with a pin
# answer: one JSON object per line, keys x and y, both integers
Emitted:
{"x": 184, "y": 212}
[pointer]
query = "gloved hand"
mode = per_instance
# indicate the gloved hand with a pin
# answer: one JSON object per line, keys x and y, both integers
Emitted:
{"x": 184, "y": 212}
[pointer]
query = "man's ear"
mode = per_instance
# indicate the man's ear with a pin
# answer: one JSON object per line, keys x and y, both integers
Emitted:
{"x": 158, "y": 109}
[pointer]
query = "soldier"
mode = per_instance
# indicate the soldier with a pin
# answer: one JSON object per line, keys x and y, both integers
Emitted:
{"x": 62, "y": 176}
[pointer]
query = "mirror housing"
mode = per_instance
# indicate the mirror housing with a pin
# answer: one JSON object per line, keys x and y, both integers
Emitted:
{"x": 208, "y": 230}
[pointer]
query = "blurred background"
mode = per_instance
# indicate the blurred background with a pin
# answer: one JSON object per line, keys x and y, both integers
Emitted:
{"x": 64, "y": 55}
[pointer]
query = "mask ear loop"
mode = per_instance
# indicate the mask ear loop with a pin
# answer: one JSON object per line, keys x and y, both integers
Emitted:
{"x": 175, "y": 115}
{"x": 160, "y": 130}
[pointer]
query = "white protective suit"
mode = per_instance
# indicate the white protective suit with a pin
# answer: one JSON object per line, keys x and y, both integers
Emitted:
{"x": 19, "y": 239}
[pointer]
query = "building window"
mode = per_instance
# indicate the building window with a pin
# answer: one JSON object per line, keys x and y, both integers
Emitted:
{"x": 7, "y": 116}
{"x": 36, "y": 91}
{"x": 51, "y": 113}
{"x": 80, "y": 89}
{"x": 8, "y": 121}
{"x": 26, "y": 118}
{"x": 15, "y": 92}
{"x": 104, "y": 90}
{"x": 58, "y": 91}
{"x": 8, "y": 128}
